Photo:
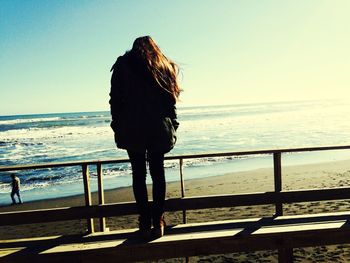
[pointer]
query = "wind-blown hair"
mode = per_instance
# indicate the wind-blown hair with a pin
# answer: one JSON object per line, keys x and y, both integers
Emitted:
{"x": 163, "y": 70}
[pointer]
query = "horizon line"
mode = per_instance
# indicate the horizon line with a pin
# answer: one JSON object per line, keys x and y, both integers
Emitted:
{"x": 180, "y": 107}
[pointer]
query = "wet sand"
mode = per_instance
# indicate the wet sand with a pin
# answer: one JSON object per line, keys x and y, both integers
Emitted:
{"x": 323, "y": 175}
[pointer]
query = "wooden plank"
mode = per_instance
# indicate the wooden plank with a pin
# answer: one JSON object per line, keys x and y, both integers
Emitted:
{"x": 18, "y": 241}
{"x": 258, "y": 152}
{"x": 175, "y": 204}
{"x": 9, "y": 251}
{"x": 174, "y": 157}
{"x": 256, "y": 227}
{"x": 203, "y": 202}
{"x": 66, "y": 213}
{"x": 212, "y": 243}
{"x": 87, "y": 194}
{"x": 59, "y": 164}
{"x": 185, "y": 240}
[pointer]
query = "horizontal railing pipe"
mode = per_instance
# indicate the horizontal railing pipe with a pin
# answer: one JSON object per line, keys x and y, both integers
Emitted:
{"x": 172, "y": 205}
{"x": 172, "y": 157}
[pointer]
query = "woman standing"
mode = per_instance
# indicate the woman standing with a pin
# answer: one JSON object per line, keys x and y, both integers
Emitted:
{"x": 144, "y": 91}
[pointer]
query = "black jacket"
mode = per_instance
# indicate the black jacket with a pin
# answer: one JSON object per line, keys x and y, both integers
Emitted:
{"x": 143, "y": 114}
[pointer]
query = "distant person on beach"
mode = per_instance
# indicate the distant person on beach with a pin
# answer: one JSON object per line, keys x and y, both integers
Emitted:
{"x": 144, "y": 91}
{"x": 16, "y": 183}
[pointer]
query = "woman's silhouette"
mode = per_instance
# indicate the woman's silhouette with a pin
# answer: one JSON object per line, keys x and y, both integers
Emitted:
{"x": 144, "y": 91}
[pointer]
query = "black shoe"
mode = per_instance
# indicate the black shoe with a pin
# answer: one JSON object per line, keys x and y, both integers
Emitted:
{"x": 145, "y": 227}
{"x": 158, "y": 227}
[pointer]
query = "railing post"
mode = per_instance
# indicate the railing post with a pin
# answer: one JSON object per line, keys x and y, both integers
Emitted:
{"x": 87, "y": 193}
{"x": 101, "y": 195}
{"x": 278, "y": 180}
{"x": 184, "y": 219}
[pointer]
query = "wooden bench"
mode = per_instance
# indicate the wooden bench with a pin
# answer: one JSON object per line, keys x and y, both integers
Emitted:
{"x": 281, "y": 233}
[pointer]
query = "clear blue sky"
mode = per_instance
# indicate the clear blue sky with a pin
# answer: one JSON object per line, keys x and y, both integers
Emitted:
{"x": 55, "y": 55}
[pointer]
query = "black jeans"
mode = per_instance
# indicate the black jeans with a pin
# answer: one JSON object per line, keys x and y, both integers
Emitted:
{"x": 139, "y": 171}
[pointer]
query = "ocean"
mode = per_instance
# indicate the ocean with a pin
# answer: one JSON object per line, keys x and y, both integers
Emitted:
{"x": 61, "y": 137}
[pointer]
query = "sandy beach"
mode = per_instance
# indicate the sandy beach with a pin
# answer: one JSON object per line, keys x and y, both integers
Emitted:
{"x": 322, "y": 175}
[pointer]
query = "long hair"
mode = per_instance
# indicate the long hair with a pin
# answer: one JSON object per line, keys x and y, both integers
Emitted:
{"x": 163, "y": 70}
